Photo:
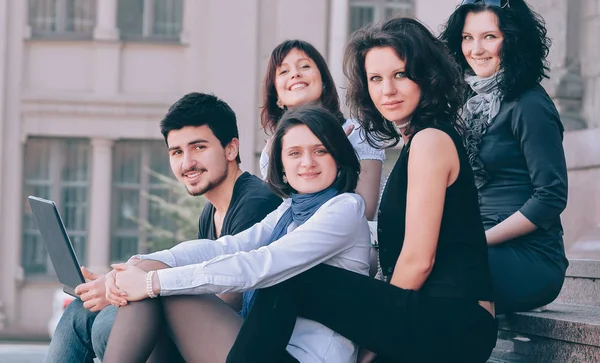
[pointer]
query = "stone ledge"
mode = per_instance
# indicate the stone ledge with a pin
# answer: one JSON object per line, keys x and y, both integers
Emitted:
{"x": 582, "y": 284}
{"x": 582, "y": 149}
{"x": 506, "y": 356}
{"x": 584, "y": 269}
{"x": 522, "y": 348}
{"x": 565, "y": 322}
{"x": 580, "y": 291}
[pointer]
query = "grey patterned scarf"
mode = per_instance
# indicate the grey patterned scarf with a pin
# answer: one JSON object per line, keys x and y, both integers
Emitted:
{"x": 478, "y": 113}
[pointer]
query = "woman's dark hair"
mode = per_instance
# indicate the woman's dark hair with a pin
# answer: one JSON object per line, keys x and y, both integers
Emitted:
{"x": 271, "y": 113}
{"x": 427, "y": 63}
{"x": 524, "y": 48}
{"x": 326, "y": 128}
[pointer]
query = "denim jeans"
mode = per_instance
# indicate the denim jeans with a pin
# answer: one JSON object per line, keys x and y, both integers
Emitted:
{"x": 101, "y": 329}
{"x": 80, "y": 334}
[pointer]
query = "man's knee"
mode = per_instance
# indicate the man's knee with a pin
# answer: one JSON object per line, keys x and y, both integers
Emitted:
{"x": 76, "y": 319}
{"x": 71, "y": 338}
{"x": 101, "y": 329}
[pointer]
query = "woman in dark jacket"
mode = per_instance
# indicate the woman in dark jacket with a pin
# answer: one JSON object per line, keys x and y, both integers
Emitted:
{"x": 514, "y": 142}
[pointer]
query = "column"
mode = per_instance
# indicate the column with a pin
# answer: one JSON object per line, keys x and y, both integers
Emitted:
{"x": 590, "y": 67}
{"x": 11, "y": 192}
{"x": 3, "y": 66}
{"x": 106, "y": 20}
{"x": 190, "y": 15}
{"x": 339, "y": 13}
{"x": 106, "y": 72}
{"x": 580, "y": 219}
{"x": 565, "y": 85}
{"x": 98, "y": 244}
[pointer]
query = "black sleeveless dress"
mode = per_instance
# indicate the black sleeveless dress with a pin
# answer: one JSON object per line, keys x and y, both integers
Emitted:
{"x": 461, "y": 268}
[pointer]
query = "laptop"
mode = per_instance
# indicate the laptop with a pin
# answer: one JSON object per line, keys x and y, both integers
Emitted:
{"x": 57, "y": 243}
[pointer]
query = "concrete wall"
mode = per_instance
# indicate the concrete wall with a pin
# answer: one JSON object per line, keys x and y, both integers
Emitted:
{"x": 581, "y": 219}
{"x": 434, "y": 13}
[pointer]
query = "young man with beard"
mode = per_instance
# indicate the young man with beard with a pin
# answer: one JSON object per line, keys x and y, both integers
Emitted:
{"x": 201, "y": 134}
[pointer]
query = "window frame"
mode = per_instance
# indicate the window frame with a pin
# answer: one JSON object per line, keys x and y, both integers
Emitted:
{"x": 148, "y": 21}
{"x": 379, "y": 9}
{"x": 143, "y": 185}
{"x": 56, "y": 186}
{"x": 61, "y": 21}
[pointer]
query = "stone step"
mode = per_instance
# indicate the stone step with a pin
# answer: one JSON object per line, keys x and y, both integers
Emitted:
{"x": 521, "y": 348}
{"x": 563, "y": 333}
{"x": 506, "y": 356}
{"x": 582, "y": 284}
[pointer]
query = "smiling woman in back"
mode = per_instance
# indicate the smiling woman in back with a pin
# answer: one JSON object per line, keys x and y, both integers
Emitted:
{"x": 296, "y": 75}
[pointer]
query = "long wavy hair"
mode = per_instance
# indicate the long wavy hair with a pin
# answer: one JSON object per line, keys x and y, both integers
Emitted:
{"x": 271, "y": 113}
{"x": 524, "y": 49}
{"x": 428, "y": 64}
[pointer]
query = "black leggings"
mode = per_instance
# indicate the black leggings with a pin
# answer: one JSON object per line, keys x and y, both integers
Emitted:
{"x": 399, "y": 325}
{"x": 195, "y": 328}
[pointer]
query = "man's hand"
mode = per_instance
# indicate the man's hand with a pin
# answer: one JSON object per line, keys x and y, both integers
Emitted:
{"x": 92, "y": 292}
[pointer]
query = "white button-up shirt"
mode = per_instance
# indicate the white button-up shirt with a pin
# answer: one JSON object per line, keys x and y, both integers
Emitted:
{"x": 337, "y": 234}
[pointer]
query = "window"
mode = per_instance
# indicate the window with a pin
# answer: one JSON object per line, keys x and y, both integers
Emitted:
{"x": 62, "y": 18}
{"x": 363, "y": 12}
{"x": 150, "y": 19}
{"x": 56, "y": 169}
{"x": 133, "y": 163}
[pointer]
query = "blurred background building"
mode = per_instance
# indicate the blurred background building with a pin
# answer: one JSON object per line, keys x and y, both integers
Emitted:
{"x": 84, "y": 83}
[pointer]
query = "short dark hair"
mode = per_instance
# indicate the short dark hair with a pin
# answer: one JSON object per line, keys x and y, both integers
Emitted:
{"x": 325, "y": 126}
{"x": 271, "y": 113}
{"x": 428, "y": 64}
{"x": 524, "y": 49}
{"x": 199, "y": 109}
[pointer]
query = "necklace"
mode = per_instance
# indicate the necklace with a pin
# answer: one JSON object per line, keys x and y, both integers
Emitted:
{"x": 399, "y": 128}
{"x": 403, "y": 125}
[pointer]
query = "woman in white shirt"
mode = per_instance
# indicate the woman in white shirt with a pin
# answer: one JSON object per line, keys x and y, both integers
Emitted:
{"x": 321, "y": 221}
{"x": 296, "y": 75}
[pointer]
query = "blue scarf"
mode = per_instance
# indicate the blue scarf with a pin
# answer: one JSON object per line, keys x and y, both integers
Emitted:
{"x": 303, "y": 207}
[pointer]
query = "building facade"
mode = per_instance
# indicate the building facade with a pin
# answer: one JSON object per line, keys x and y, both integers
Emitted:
{"x": 84, "y": 83}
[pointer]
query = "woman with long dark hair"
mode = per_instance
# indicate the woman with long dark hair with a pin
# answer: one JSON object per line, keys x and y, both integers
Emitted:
{"x": 514, "y": 142}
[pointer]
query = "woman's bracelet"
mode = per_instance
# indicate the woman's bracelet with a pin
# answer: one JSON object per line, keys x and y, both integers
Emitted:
{"x": 149, "y": 289}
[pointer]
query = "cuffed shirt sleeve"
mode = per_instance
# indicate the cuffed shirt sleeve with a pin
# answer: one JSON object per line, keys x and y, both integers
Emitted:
{"x": 537, "y": 126}
{"x": 329, "y": 232}
{"x": 197, "y": 251}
